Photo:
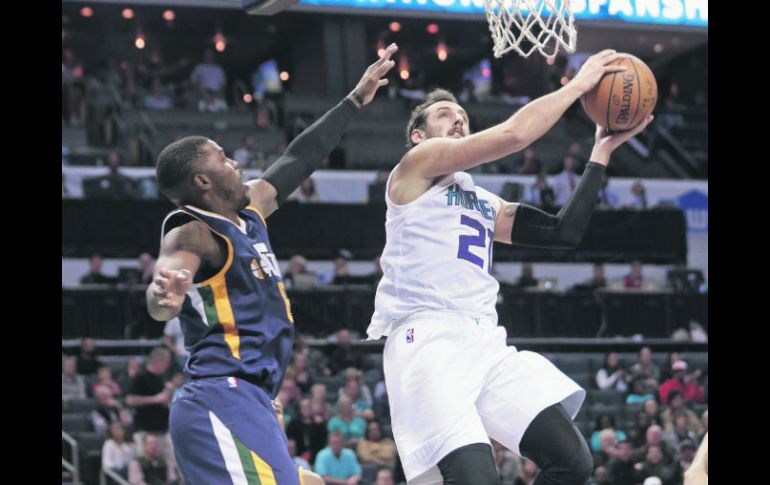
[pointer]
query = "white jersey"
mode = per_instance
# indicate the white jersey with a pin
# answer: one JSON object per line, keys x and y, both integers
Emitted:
{"x": 438, "y": 254}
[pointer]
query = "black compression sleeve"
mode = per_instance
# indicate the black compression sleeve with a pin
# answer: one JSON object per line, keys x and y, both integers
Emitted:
{"x": 533, "y": 227}
{"x": 308, "y": 151}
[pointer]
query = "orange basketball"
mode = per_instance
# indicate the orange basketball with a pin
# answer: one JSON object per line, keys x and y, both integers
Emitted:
{"x": 622, "y": 99}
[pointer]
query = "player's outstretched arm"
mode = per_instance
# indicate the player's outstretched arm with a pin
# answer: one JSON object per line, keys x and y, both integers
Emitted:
{"x": 307, "y": 152}
{"x": 529, "y": 226}
{"x": 442, "y": 155}
{"x": 181, "y": 252}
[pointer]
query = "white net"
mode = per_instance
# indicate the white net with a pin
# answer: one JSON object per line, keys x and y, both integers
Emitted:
{"x": 526, "y": 25}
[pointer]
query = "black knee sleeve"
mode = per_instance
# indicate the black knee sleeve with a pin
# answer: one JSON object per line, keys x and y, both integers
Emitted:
{"x": 555, "y": 444}
{"x": 469, "y": 465}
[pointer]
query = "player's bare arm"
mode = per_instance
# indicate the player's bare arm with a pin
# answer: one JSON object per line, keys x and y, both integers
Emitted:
{"x": 182, "y": 251}
{"x": 307, "y": 152}
{"x": 533, "y": 227}
{"x": 442, "y": 155}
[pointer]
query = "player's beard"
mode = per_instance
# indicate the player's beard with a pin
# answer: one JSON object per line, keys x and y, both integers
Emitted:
{"x": 244, "y": 202}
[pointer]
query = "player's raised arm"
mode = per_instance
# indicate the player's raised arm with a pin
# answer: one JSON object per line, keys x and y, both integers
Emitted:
{"x": 181, "y": 253}
{"x": 307, "y": 152}
{"x": 440, "y": 155}
{"x": 529, "y": 226}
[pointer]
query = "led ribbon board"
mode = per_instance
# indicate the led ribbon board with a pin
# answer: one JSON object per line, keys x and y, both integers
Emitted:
{"x": 671, "y": 12}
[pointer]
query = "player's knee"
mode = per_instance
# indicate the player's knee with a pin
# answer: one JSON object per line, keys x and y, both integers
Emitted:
{"x": 310, "y": 478}
{"x": 581, "y": 465}
{"x": 469, "y": 465}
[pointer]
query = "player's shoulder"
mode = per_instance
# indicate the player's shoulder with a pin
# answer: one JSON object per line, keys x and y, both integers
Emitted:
{"x": 190, "y": 234}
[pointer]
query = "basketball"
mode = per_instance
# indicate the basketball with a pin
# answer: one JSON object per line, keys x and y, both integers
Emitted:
{"x": 622, "y": 100}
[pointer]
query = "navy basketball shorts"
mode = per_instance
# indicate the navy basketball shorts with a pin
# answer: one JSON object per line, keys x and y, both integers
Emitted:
{"x": 224, "y": 430}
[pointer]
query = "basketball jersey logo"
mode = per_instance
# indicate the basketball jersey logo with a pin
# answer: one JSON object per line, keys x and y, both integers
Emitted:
{"x": 267, "y": 263}
{"x": 409, "y": 335}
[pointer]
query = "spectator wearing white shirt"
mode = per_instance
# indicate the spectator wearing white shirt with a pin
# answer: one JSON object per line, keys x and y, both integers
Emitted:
{"x": 612, "y": 376}
{"x": 117, "y": 453}
{"x": 565, "y": 181}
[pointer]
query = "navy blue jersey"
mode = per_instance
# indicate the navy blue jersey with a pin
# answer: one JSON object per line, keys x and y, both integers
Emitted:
{"x": 238, "y": 322}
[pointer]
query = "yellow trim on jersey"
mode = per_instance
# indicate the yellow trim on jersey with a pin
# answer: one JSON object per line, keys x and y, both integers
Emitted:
{"x": 264, "y": 471}
{"x": 226, "y": 318}
{"x": 258, "y": 213}
{"x": 221, "y": 273}
{"x": 282, "y": 289}
{"x": 301, "y": 475}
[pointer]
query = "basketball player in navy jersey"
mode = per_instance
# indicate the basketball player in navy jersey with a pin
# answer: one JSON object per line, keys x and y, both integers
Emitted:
{"x": 452, "y": 380}
{"x": 217, "y": 272}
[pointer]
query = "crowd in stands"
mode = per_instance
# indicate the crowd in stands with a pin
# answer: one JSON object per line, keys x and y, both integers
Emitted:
{"x": 94, "y": 95}
{"x": 666, "y": 431}
{"x": 298, "y": 276}
{"x": 336, "y": 416}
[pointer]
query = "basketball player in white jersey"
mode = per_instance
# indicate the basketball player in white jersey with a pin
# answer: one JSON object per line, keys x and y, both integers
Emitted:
{"x": 452, "y": 381}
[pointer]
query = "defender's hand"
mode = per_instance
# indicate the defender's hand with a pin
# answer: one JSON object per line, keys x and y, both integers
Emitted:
{"x": 364, "y": 91}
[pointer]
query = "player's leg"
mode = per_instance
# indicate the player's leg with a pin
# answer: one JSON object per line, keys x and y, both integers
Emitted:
{"x": 563, "y": 461}
{"x": 527, "y": 405}
{"x": 469, "y": 465}
{"x": 226, "y": 434}
{"x": 199, "y": 455}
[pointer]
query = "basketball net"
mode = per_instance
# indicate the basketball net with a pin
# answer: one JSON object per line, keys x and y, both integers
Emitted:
{"x": 526, "y": 25}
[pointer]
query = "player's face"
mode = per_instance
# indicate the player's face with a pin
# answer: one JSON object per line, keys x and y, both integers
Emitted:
{"x": 446, "y": 119}
{"x": 225, "y": 174}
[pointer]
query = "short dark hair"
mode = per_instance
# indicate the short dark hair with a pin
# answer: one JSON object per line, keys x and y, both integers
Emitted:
{"x": 417, "y": 118}
{"x": 174, "y": 168}
{"x": 673, "y": 394}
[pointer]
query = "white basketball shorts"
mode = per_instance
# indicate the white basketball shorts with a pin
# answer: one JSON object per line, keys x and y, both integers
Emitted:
{"x": 453, "y": 381}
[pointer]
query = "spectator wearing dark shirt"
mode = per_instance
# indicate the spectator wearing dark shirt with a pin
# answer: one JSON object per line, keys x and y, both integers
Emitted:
{"x": 108, "y": 411}
{"x": 151, "y": 468}
{"x": 344, "y": 355}
{"x": 621, "y": 466}
{"x": 527, "y": 278}
{"x": 541, "y": 194}
{"x": 120, "y": 186}
{"x": 308, "y": 430}
{"x": 598, "y": 280}
{"x": 88, "y": 363}
{"x": 654, "y": 465}
{"x": 94, "y": 275}
{"x": 341, "y": 271}
{"x": 377, "y": 188}
{"x": 148, "y": 393}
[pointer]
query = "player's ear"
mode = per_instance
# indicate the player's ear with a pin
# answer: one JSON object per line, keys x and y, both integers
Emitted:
{"x": 201, "y": 181}
{"x": 418, "y": 135}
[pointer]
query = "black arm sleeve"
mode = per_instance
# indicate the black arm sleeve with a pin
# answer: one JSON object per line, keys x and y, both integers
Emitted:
{"x": 533, "y": 227}
{"x": 308, "y": 151}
